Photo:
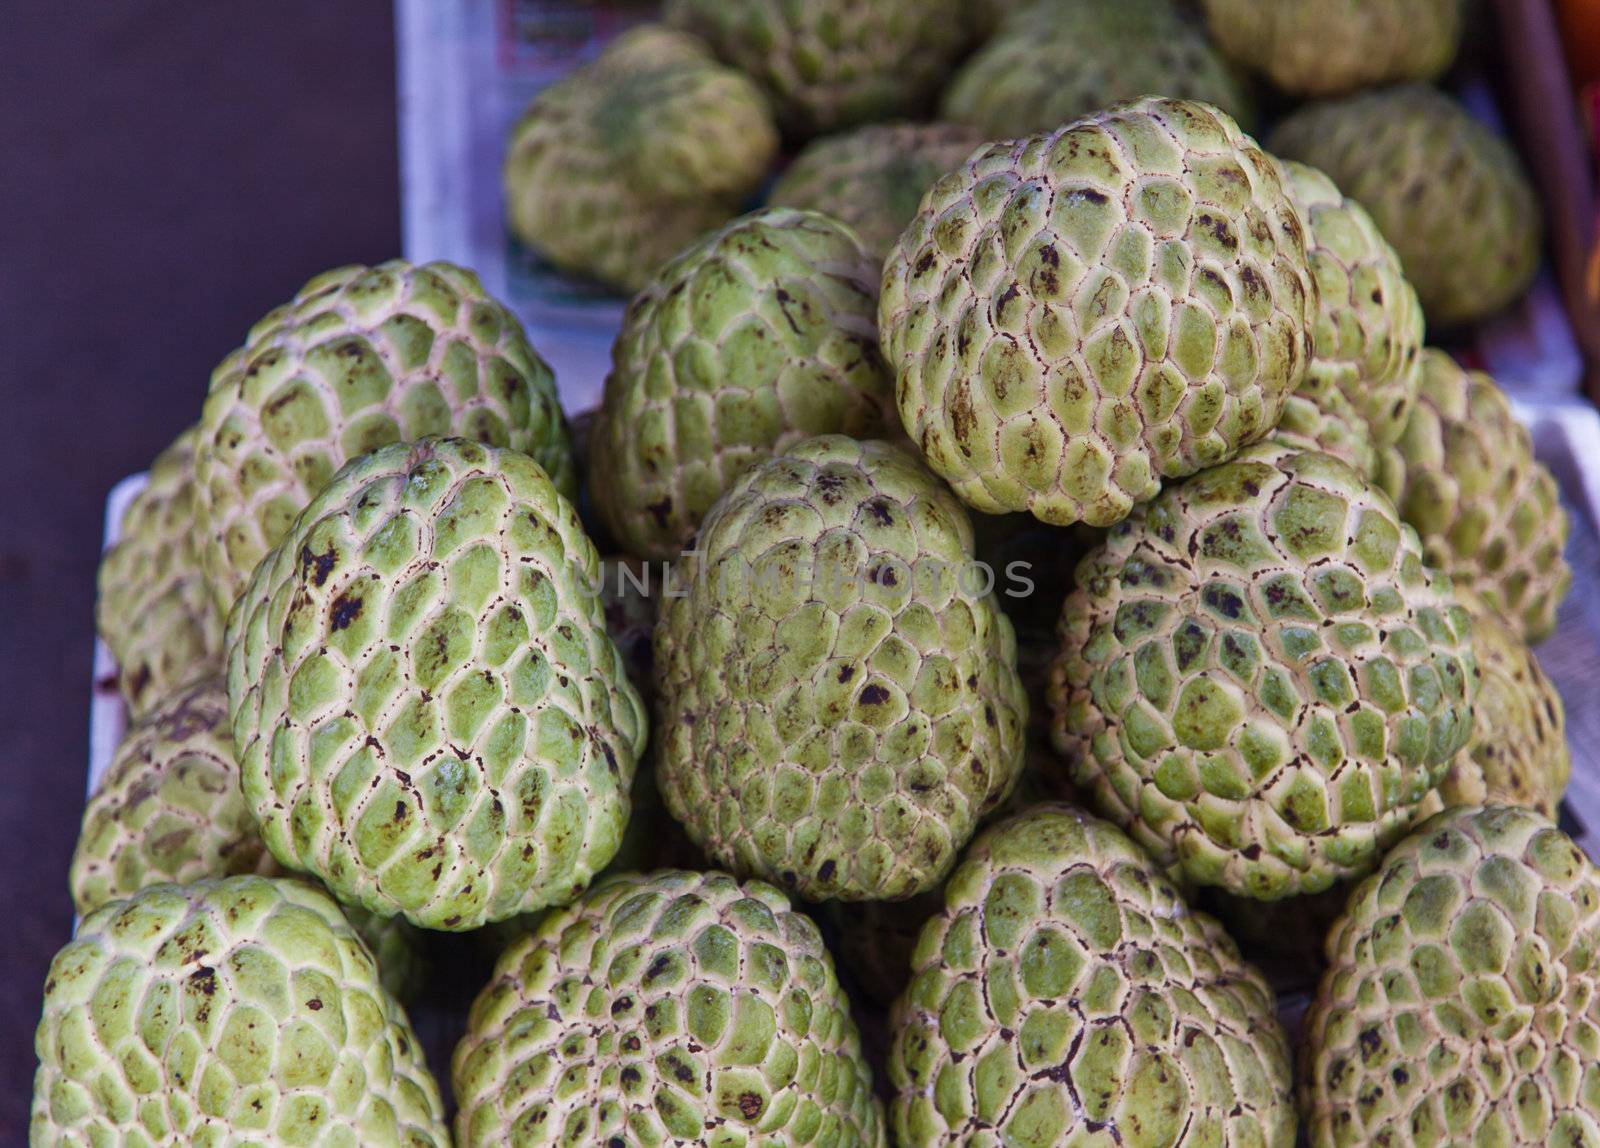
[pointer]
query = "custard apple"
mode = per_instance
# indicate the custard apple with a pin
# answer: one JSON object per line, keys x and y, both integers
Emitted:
{"x": 873, "y": 178}
{"x": 759, "y": 336}
{"x": 169, "y": 809}
{"x": 1518, "y": 753}
{"x": 1056, "y": 60}
{"x": 361, "y": 357}
{"x": 1259, "y": 679}
{"x": 1066, "y": 996}
{"x": 1319, "y": 417}
{"x": 1489, "y": 513}
{"x": 839, "y": 694}
{"x": 1448, "y": 193}
{"x": 874, "y": 940}
{"x": 666, "y": 1008}
{"x": 833, "y": 64}
{"x": 622, "y": 163}
{"x": 1460, "y": 1005}
{"x": 428, "y": 712}
{"x": 1075, "y": 316}
{"x": 1321, "y": 48}
{"x": 1367, "y": 341}
{"x": 153, "y": 610}
{"x": 236, "y": 1011}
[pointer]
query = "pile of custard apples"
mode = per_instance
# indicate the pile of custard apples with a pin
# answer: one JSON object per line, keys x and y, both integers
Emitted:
{"x": 1031, "y": 569}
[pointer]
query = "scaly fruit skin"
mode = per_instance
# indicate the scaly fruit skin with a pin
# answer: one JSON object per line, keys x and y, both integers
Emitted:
{"x": 618, "y": 166}
{"x": 360, "y": 357}
{"x": 1460, "y": 1005}
{"x": 1317, "y": 48}
{"x": 833, "y": 64}
{"x": 1057, "y": 60}
{"x": 1065, "y": 989}
{"x": 1488, "y": 512}
{"x": 873, "y": 178}
{"x": 227, "y": 1012}
{"x": 1075, "y": 316}
{"x": 670, "y": 1007}
{"x": 839, "y": 701}
{"x": 1259, "y": 679}
{"x": 1448, "y": 193}
{"x": 759, "y": 336}
{"x": 1367, "y": 341}
{"x": 153, "y": 609}
{"x": 428, "y": 712}
{"x": 1319, "y": 417}
{"x": 170, "y": 810}
{"x": 1518, "y": 754}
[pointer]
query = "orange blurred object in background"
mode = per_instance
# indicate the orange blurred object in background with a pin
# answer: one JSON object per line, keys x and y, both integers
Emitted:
{"x": 1580, "y": 29}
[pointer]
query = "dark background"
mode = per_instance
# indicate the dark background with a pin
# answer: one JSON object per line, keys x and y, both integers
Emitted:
{"x": 169, "y": 171}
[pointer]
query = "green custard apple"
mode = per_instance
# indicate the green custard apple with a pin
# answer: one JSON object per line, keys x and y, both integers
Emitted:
{"x": 1318, "y": 417}
{"x": 622, "y": 163}
{"x": 1488, "y": 511}
{"x": 1259, "y": 679}
{"x": 360, "y": 357}
{"x": 1066, "y": 996}
{"x": 244, "y": 1010}
{"x": 873, "y": 178}
{"x": 1323, "y": 48}
{"x": 429, "y": 714}
{"x": 839, "y": 700}
{"x": 1459, "y": 1006}
{"x": 1368, "y": 337}
{"x": 153, "y": 609}
{"x": 169, "y": 810}
{"x": 761, "y": 335}
{"x": 1449, "y": 194}
{"x": 666, "y": 1008}
{"x": 833, "y": 64}
{"x": 1518, "y": 754}
{"x": 1074, "y": 317}
{"x": 1056, "y": 60}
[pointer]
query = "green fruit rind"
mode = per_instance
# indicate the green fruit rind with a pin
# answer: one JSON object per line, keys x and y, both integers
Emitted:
{"x": 833, "y": 64}
{"x": 1458, "y": 1007}
{"x": 1075, "y": 316}
{"x": 1445, "y": 190}
{"x": 233, "y": 1011}
{"x": 428, "y": 712}
{"x": 1368, "y": 336}
{"x": 360, "y": 357}
{"x": 1066, "y": 988}
{"x": 1487, "y": 510}
{"x": 1313, "y": 47}
{"x": 1056, "y": 60}
{"x": 666, "y": 1008}
{"x": 1518, "y": 754}
{"x": 839, "y": 695}
{"x": 1259, "y": 679}
{"x": 620, "y": 164}
{"x": 1319, "y": 417}
{"x": 761, "y": 335}
{"x": 873, "y": 178}
{"x": 169, "y": 809}
{"x": 153, "y": 609}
